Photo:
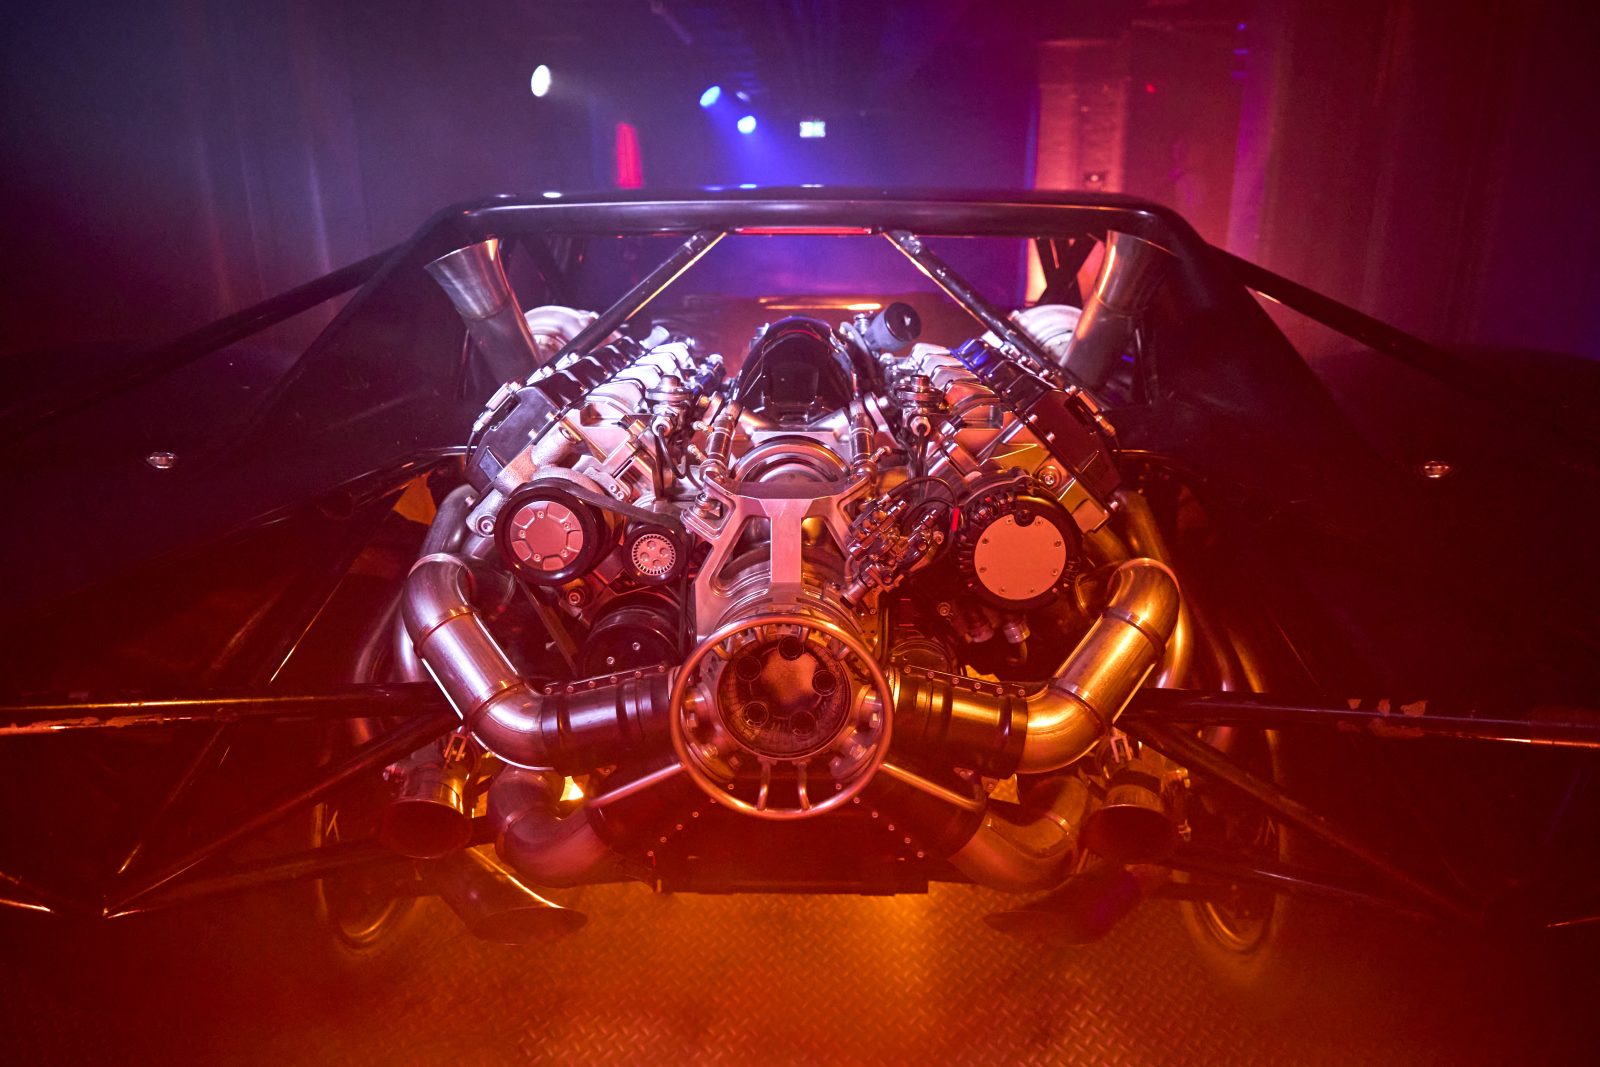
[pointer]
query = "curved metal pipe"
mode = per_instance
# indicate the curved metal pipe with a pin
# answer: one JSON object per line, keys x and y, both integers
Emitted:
{"x": 1146, "y": 539}
{"x": 576, "y": 727}
{"x": 475, "y": 281}
{"x": 1105, "y": 670}
{"x": 1130, "y": 274}
{"x": 545, "y": 846}
{"x": 996, "y": 729}
{"x": 1024, "y": 848}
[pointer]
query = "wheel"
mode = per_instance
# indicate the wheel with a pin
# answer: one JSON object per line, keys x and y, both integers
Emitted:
{"x": 1278, "y": 954}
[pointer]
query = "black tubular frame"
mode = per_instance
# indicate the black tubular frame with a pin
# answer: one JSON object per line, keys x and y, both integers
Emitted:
{"x": 1159, "y": 718}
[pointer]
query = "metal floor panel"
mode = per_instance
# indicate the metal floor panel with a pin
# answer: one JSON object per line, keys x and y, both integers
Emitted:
{"x": 744, "y": 980}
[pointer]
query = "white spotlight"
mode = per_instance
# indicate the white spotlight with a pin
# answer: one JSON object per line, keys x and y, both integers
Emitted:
{"x": 540, "y": 82}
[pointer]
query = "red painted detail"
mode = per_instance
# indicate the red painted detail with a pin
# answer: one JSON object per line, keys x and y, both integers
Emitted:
{"x": 812, "y": 231}
{"x": 630, "y": 168}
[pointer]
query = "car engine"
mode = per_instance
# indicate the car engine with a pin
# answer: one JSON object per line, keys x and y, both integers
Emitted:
{"x": 848, "y": 610}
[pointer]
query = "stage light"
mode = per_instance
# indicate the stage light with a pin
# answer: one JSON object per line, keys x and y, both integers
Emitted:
{"x": 813, "y": 128}
{"x": 540, "y": 82}
{"x": 711, "y": 96}
{"x": 747, "y": 124}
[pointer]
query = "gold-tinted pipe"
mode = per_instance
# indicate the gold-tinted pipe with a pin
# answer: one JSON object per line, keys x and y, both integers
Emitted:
{"x": 1105, "y": 670}
{"x": 1145, "y": 539}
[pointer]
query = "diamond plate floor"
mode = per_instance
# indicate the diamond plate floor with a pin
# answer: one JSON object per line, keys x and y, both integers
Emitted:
{"x": 724, "y": 980}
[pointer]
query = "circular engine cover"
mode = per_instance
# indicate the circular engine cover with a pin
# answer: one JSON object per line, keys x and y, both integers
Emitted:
{"x": 1017, "y": 559}
{"x": 786, "y": 696}
{"x": 549, "y": 536}
{"x": 1018, "y": 551}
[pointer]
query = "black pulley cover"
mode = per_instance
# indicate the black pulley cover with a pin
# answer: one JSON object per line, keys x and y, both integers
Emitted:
{"x": 549, "y": 537}
{"x": 635, "y": 633}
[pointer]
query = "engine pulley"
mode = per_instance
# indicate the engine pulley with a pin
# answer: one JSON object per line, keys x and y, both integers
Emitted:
{"x": 652, "y": 554}
{"x": 549, "y": 537}
{"x": 641, "y": 629}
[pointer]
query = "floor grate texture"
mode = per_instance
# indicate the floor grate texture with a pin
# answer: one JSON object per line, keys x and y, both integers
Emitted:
{"x": 723, "y": 980}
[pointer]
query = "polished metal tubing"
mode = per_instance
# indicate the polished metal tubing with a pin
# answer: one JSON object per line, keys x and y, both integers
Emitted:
{"x": 1027, "y": 848}
{"x": 1106, "y": 669}
{"x": 1130, "y": 274}
{"x": 428, "y": 817}
{"x": 545, "y": 845}
{"x": 575, "y": 727}
{"x": 475, "y": 281}
{"x": 1145, "y": 539}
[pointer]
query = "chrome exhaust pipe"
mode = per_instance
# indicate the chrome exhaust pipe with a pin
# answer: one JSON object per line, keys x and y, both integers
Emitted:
{"x": 1023, "y": 848}
{"x": 428, "y": 818}
{"x": 1146, "y": 539}
{"x": 545, "y": 845}
{"x": 474, "y": 278}
{"x": 575, "y": 727}
{"x": 1130, "y": 274}
{"x": 1109, "y": 665}
{"x": 1030, "y": 847}
{"x": 494, "y": 905}
{"x": 1132, "y": 824}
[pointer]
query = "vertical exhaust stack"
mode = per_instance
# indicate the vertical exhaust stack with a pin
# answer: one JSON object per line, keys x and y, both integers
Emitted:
{"x": 1131, "y": 273}
{"x": 475, "y": 281}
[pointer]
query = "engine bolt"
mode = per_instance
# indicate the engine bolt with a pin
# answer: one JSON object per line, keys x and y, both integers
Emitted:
{"x": 485, "y": 525}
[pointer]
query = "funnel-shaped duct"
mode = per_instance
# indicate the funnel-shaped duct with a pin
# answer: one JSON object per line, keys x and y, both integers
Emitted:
{"x": 475, "y": 281}
{"x": 1131, "y": 273}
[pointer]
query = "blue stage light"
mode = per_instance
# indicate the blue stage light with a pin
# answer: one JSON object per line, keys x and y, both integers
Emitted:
{"x": 747, "y": 124}
{"x": 711, "y": 96}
